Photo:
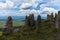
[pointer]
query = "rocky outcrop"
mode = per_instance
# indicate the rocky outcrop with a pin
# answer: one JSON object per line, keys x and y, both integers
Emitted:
{"x": 8, "y": 26}
{"x": 38, "y": 22}
{"x": 29, "y": 20}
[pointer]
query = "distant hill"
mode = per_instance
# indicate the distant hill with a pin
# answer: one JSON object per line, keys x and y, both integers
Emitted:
{"x": 13, "y": 17}
{"x": 3, "y": 18}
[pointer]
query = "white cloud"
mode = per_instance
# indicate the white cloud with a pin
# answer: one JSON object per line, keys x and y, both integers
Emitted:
{"x": 8, "y": 4}
{"x": 35, "y": 12}
{"x": 54, "y": 3}
{"x": 30, "y": 3}
{"x": 27, "y": 12}
{"x": 4, "y": 12}
{"x": 25, "y": 5}
{"x": 50, "y": 6}
{"x": 51, "y": 3}
{"x": 2, "y": 5}
{"x": 15, "y": 3}
{"x": 47, "y": 10}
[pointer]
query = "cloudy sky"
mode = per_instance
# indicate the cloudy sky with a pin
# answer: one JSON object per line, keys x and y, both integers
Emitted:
{"x": 26, "y": 7}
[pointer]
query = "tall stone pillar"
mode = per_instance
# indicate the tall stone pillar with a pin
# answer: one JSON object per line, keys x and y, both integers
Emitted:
{"x": 32, "y": 21}
{"x": 29, "y": 20}
{"x": 38, "y": 22}
{"x": 58, "y": 19}
{"x": 8, "y": 26}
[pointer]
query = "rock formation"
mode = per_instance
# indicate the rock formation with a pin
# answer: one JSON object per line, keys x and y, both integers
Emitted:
{"x": 38, "y": 22}
{"x": 29, "y": 20}
{"x": 8, "y": 26}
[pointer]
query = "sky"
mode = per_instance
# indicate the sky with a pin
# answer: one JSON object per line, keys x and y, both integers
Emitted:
{"x": 26, "y": 7}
